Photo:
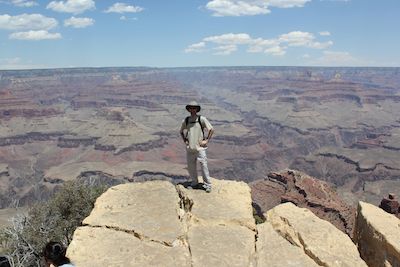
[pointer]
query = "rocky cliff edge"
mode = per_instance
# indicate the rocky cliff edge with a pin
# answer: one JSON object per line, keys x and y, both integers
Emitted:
{"x": 158, "y": 224}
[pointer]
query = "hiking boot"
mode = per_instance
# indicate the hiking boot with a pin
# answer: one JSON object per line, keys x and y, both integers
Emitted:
{"x": 207, "y": 188}
{"x": 194, "y": 186}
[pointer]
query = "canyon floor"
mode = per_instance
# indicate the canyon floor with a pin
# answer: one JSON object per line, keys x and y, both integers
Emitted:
{"x": 118, "y": 125}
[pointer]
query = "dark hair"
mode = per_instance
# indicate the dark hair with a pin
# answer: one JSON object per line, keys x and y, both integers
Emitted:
{"x": 4, "y": 262}
{"x": 55, "y": 252}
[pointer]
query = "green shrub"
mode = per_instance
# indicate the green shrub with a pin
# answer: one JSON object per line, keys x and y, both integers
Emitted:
{"x": 55, "y": 219}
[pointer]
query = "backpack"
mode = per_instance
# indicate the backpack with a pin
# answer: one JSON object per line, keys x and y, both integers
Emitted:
{"x": 198, "y": 120}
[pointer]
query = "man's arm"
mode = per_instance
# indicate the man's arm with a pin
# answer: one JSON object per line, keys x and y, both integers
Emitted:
{"x": 182, "y": 132}
{"x": 210, "y": 134}
{"x": 183, "y": 136}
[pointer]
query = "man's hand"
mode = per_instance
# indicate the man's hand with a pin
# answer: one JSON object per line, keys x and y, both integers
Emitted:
{"x": 204, "y": 143}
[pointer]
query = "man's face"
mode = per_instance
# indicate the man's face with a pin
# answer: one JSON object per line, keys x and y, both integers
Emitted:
{"x": 192, "y": 110}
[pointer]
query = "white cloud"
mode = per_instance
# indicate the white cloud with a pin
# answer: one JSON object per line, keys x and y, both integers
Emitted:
{"x": 126, "y": 18}
{"x": 249, "y": 7}
{"x": 224, "y": 50}
{"x": 259, "y": 45}
{"x": 35, "y": 35}
{"x": 297, "y": 38}
{"x": 71, "y": 6}
{"x": 27, "y": 22}
{"x": 236, "y": 8}
{"x": 198, "y": 47}
{"x": 306, "y": 39}
{"x": 226, "y": 44}
{"x": 287, "y": 3}
{"x": 123, "y": 8}
{"x": 78, "y": 22}
{"x": 275, "y": 51}
{"x": 318, "y": 45}
{"x": 325, "y": 33}
{"x": 229, "y": 38}
{"x": 24, "y": 3}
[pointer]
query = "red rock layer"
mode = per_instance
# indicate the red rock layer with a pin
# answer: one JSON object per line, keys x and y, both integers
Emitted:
{"x": 306, "y": 192}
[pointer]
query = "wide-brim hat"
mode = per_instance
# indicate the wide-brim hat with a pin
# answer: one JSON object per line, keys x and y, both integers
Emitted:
{"x": 193, "y": 104}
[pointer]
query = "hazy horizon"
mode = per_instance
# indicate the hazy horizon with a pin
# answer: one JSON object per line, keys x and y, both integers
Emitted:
{"x": 199, "y": 67}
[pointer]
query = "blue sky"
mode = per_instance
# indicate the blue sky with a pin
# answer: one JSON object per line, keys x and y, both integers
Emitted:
{"x": 180, "y": 33}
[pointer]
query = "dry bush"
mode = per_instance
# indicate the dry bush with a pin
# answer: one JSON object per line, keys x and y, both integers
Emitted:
{"x": 55, "y": 219}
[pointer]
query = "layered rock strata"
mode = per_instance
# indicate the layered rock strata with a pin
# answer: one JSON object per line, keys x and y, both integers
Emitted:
{"x": 378, "y": 236}
{"x": 158, "y": 224}
{"x": 306, "y": 192}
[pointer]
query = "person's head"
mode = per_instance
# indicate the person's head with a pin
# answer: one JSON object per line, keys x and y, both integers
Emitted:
{"x": 193, "y": 107}
{"x": 4, "y": 262}
{"x": 54, "y": 253}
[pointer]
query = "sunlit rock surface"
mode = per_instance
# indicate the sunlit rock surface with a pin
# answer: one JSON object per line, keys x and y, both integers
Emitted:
{"x": 378, "y": 236}
{"x": 158, "y": 224}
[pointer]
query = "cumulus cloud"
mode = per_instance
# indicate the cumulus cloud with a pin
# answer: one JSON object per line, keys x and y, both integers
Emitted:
{"x": 229, "y": 38}
{"x": 297, "y": 38}
{"x": 259, "y": 45}
{"x": 225, "y": 50}
{"x": 123, "y": 8}
{"x": 325, "y": 33}
{"x": 306, "y": 39}
{"x": 71, "y": 6}
{"x": 27, "y": 22}
{"x": 35, "y": 35}
{"x": 275, "y": 51}
{"x": 228, "y": 43}
{"x": 287, "y": 3}
{"x": 249, "y": 7}
{"x": 197, "y": 47}
{"x": 78, "y": 22}
{"x": 24, "y": 3}
{"x": 236, "y": 8}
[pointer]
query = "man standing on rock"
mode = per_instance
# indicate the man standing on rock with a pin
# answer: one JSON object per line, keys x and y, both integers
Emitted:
{"x": 192, "y": 132}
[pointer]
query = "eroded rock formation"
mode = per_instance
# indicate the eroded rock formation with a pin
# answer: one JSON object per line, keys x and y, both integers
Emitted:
{"x": 391, "y": 205}
{"x": 304, "y": 191}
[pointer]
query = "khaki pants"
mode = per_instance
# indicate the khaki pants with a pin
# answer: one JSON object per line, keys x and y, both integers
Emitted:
{"x": 192, "y": 158}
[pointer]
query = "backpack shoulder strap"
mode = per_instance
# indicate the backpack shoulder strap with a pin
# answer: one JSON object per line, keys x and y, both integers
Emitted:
{"x": 201, "y": 125}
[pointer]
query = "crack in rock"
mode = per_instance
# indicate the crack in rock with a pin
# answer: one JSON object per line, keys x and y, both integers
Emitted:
{"x": 177, "y": 242}
{"x": 297, "y": 241}
{"x": 185, "y": 215}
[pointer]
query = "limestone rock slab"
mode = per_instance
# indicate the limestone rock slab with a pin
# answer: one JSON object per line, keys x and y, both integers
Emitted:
{"x": 228, "y": 202}
{"x": 150, "y": 209}
{"x": 319, "y": 239}
{"x": 107, "y": 247}
{"x": 221, "y": 245}
{"x": 274, "y": 250}
{"x": 378, "y": 236}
